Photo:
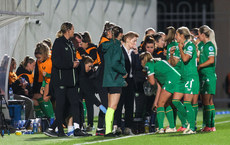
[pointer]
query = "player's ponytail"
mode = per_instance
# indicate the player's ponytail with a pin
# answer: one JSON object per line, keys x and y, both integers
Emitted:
{"x": 209, "y": 33}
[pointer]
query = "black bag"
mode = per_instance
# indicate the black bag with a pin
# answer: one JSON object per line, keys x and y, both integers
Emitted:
{"x": 149, "y": 89}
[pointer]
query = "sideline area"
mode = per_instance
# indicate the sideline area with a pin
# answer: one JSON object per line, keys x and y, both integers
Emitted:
{"x": 221, "y": 136}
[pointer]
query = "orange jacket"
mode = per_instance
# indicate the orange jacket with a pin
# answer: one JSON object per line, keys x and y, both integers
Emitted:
{"x": 45, "y": 66}
{"x": 30, "y": 76}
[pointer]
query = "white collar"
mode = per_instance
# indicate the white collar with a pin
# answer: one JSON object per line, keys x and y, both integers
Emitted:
{"x": 128, "y": 52}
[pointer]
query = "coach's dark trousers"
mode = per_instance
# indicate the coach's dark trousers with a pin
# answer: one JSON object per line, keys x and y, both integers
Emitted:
{"x": 126, "y": 100}
{"x": 63, "y": 94}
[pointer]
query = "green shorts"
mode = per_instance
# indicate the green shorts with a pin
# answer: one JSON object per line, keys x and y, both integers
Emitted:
{"x": 179, "y": 87}
{"x": 170, "y": 86}
{"x": 192, "y": 85}
{"x": 208, "y": 85}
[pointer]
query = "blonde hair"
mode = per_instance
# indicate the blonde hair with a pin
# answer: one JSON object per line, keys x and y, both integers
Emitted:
{"x": 42, "y": 49}
{"x": 170, "y": 34}
{"x": 209, "y": 33}
{"x": 146, "y": 57}
{"x": 64, "y": 28}
{"x": 185, "y": 31}
{"x": 48, "y": 42}
{"x": 27, "y": 60}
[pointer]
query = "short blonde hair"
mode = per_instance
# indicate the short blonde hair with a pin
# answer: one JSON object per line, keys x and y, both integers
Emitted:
{"x": 130, "y": 35}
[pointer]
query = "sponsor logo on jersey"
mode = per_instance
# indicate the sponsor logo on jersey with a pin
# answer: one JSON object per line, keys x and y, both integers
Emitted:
{"x": 211, "y": 48}
{"x": 66, "y": 48}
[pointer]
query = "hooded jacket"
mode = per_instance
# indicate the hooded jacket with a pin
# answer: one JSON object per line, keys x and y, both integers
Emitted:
{"x": 114, "y": 64}
{"x": 28, "y": 76}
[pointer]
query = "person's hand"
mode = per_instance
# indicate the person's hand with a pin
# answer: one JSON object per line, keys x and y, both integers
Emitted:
{"x": 172, "y": 50}
{"x": 26, "y": 92}
{"x": 42, "y": 90}
{"x": 44, "y": 74}
{"x": 76, "y": 63}
{"x": 198, "y": 67}
{"x": 23, "y": 84}
{"x": 135, "y": 50}
{"x": 46, "y": 99}
{"x": 125, "y": 76}
{"x": 154, "y": 107}
{"x": 181, "y": 45}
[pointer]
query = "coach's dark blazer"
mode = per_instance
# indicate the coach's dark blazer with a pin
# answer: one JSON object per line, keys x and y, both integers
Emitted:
{"x": 135, "y": 62}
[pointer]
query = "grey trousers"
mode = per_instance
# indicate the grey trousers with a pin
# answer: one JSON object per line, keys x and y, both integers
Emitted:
{"x": 29, "y": 106}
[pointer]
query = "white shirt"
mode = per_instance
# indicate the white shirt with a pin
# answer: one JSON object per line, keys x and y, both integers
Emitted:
{"x": 130, "y": 60}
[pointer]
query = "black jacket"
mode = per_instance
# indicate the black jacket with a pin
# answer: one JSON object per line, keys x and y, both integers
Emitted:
{"x": 134, "y": 63}
{"x": 63, "y": 56}
{"x": 138, "y": 75}
{"x": 22, "y": 70}
{"x": 159, "y": 53}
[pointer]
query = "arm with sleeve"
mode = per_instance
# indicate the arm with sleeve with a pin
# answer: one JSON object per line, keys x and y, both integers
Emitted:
{"x": 116, "y": 61}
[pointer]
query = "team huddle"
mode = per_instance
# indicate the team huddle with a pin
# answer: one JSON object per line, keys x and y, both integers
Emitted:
{"x": 180, "y": 63}
{"x": 188, "y": 72}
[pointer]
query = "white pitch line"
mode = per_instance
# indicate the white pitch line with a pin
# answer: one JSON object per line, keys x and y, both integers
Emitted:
{"x": 113, "y": 139}
{"x": 133, "y": 136}
{"x": 217, "y": 123}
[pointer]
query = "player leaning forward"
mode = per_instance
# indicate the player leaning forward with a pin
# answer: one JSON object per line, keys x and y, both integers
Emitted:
{"x": 167, "y": 77}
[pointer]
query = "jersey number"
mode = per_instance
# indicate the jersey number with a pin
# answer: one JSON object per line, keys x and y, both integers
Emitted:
{"x": 189, "y": 83}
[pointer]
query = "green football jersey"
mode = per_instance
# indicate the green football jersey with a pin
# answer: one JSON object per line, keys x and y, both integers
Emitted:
{"x": 177, "y": 51}
{"x": 175, "y": 54}
{"x": 190, "y": 67}
{"x": 207, "y": 51}
{"x": 200, "y": 45}
{"x": 163, "y": 71}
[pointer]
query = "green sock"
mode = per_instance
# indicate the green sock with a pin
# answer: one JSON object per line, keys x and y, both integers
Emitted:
{"x": 208, "y": 115}
{"x": 170, "y": 116}
{"x": 182, "y": 119}
{"x": 109, "y": 120}
{"x": 46, "y": 107}
{"x": 180, "y": 111}
{"x": 160, "y": 116}
{"x": 213, "y": 112}
{"x": 195, "y": 108}
{"x": 156, "y": 122}
{"x": 175, "y": 116}
{"x": 38, "y": 112}
{"x": 190, "y": 114}
{"x": 204, "y": 119}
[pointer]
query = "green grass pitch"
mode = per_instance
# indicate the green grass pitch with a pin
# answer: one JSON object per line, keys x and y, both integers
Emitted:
{"x": 220, "y": 137}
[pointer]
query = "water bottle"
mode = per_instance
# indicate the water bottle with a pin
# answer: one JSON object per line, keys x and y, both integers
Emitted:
{"x": 23, "y": 112}
{"x": 35, "y": 127}
{"x": 11, "y": 94}
{"x": 146, "y": 126}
